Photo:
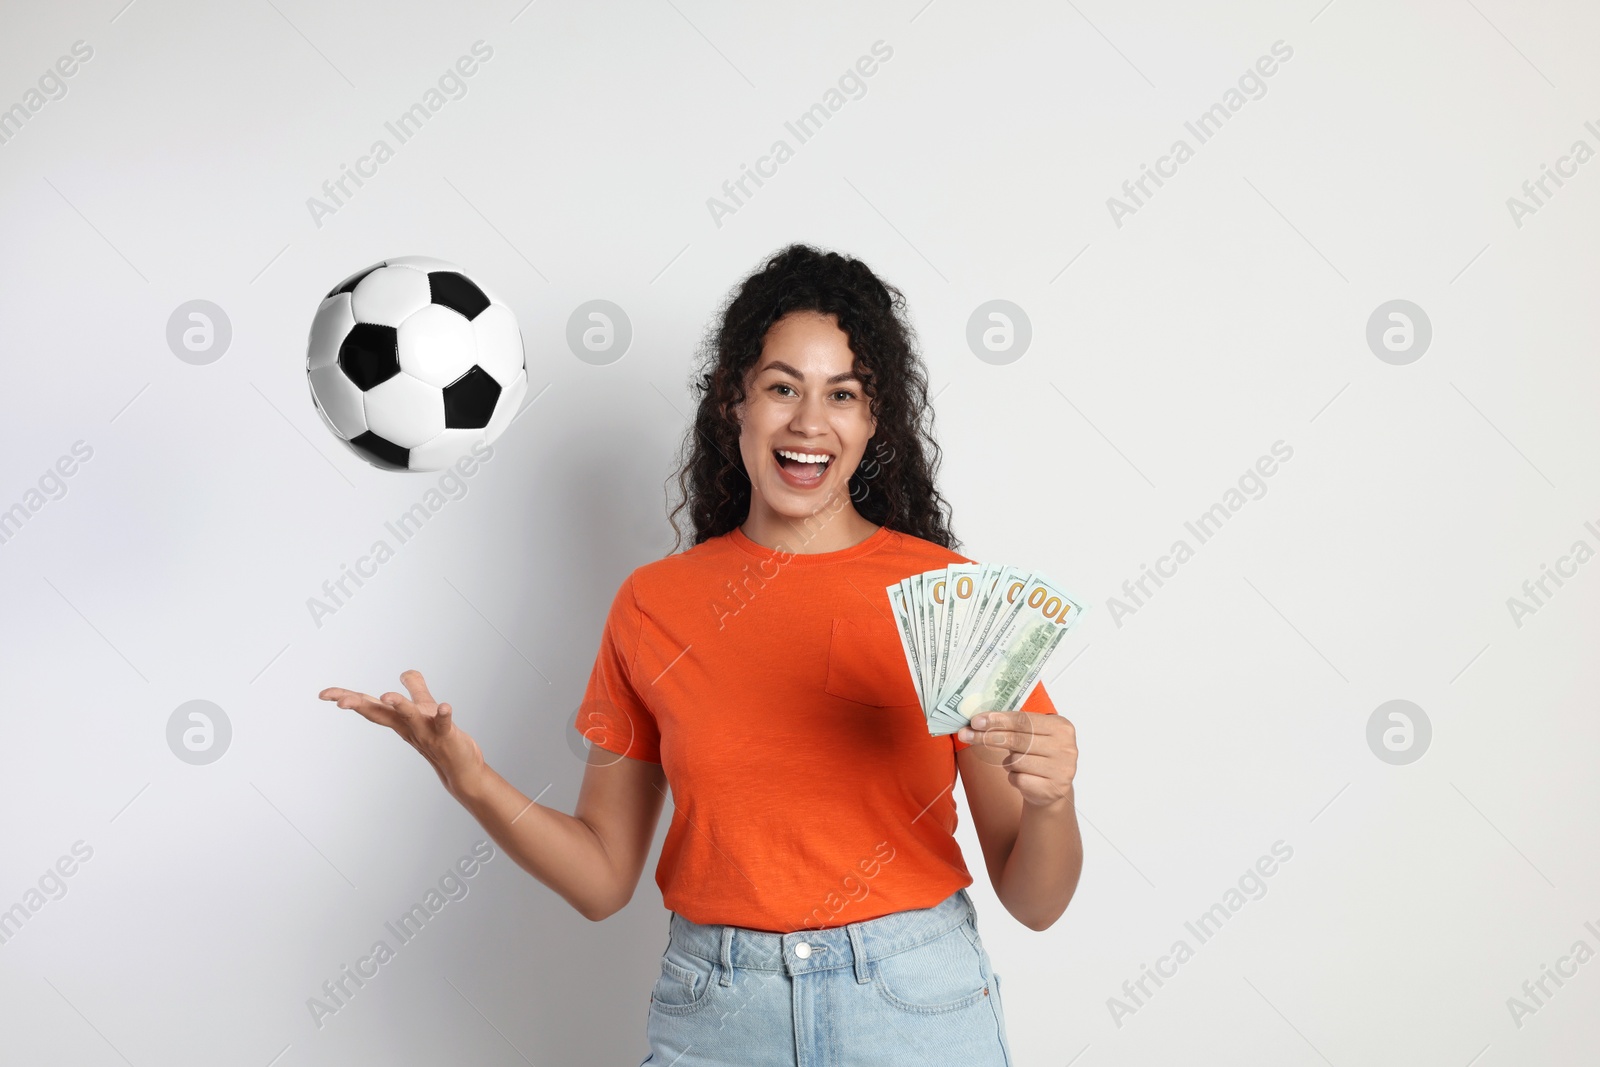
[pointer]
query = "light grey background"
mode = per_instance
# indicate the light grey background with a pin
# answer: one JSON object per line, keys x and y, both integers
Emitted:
{"x": 1168, "y": 353}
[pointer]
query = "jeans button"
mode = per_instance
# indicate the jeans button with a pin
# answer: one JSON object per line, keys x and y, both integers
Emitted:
{"x": 802, "y": 950}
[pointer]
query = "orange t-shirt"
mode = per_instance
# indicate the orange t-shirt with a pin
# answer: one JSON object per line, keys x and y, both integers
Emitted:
{"x": 772, "y": 688}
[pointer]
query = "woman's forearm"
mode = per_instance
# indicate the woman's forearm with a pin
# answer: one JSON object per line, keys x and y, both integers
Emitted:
{"x": 558, "y": 849}
{"x": 1041, "y": 874}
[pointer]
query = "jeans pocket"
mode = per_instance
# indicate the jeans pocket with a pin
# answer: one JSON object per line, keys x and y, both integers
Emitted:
{"x": 944, "y": 974}
{"x": 685, "y": 982}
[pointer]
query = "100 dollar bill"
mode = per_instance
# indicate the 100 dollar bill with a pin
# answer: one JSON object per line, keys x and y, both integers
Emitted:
{"x": 1029, "y": 617}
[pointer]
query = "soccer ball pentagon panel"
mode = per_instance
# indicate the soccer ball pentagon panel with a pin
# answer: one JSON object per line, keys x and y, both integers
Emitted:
{"x": 411, "y": 362}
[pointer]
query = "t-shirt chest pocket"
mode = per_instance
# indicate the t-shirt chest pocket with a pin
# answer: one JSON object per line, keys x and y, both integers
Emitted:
{"x": 867, "y": 664}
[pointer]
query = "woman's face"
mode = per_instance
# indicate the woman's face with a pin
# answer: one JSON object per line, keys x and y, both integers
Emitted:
{"x": 802, "y": 397}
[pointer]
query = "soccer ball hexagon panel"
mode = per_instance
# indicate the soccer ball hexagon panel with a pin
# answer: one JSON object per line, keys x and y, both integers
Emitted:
{"x": 411, "y": 362}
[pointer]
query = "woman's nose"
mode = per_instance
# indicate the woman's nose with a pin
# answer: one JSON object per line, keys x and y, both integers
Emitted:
{"x": 808, "y": 414}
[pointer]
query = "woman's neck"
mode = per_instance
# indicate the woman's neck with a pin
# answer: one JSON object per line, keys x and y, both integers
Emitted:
{"x": 833, "y": 526}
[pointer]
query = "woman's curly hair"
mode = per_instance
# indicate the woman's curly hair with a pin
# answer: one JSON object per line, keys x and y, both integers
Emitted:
{"x": 894, "y": 484}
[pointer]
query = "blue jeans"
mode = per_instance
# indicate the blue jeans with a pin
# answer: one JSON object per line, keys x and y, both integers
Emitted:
{"x": 913, "y": 987}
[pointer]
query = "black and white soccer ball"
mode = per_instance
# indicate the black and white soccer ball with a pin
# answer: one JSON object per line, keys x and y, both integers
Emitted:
{"x": 411, "y": 362}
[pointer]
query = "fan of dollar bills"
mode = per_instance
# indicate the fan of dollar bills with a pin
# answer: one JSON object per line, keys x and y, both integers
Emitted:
{"x": 977, "y": 635}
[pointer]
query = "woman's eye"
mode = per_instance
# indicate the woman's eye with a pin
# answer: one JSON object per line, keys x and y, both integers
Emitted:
{"x": 846, "y": 394}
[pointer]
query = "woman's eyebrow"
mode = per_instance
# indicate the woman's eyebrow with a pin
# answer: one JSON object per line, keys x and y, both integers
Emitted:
{"x": 847, "y": 376}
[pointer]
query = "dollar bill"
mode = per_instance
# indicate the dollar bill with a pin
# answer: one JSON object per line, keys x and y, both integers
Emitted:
{"x": 976, "y": 637}
{"x": 1029, "y": 626}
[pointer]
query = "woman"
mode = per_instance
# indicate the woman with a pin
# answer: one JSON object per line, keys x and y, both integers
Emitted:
{"x": 817, "y": 894}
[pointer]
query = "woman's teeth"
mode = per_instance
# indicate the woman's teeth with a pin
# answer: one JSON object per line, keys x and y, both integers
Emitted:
{"x": 806, "y": 466}
{"x": 804, "y": 457}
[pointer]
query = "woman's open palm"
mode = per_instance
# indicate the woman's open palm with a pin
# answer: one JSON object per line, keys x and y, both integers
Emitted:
{"x": 427, "y": 726}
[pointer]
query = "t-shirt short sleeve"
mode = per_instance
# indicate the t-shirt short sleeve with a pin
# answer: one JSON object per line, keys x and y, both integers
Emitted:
{"x": 613, "y": 714}
{"x": 1037, "y": 701}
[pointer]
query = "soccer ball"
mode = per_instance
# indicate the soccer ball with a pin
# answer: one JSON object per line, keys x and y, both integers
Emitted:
{"x": 411, "y": 363}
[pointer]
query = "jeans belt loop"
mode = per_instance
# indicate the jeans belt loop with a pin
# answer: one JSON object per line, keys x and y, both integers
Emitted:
{"x": 858, "y": 949}
{"x": 727, "y": 956}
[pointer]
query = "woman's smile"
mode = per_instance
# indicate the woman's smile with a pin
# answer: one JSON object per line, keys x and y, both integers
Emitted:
{"x": 803, "y": 468}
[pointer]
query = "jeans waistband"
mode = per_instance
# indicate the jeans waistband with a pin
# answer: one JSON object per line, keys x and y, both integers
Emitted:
{"x": 853, "y": 945}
